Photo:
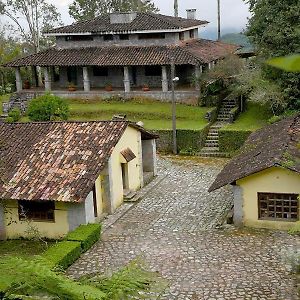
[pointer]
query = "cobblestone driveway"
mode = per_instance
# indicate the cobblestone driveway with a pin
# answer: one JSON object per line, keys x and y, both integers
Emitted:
{"x": 173, "y": 227}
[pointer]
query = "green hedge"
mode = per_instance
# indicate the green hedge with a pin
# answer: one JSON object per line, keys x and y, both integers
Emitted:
{"x": 87, "y": 235}
{"x": 63, "y": 254}
{"x": 188, "y": 141}
{"x": 232, "y": 140}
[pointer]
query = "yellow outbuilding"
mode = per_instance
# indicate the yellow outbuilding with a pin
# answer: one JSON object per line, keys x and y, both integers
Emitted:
{"x": 59, "y": 175}
{"x": 266, "y": 177}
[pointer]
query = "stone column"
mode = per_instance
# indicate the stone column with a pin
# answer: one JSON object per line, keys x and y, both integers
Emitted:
{"x": 126, "y": 80}
{"x": 86, "y": 79}
{"x": 198, "y": 71}
{"x": 19, "y": 84}
{"x": 47, "y": 79}
{"x": 165, "y": 84}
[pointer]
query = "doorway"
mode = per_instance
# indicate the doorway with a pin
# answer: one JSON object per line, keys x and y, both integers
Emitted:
{"x": 95, "y": 202}
{"x": 133, "y": 75}
{"x": 72, "y": 75}
{"x": 125, "y": 179}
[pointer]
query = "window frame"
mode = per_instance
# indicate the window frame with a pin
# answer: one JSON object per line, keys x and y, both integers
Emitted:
{"x": 152, "y": 36}
{"x": 108, "y": 37}
{"x": 124, "y": 37}
{"x": 273, "y": 204}
{"x": 33, "y": 205}
{"x": 79, "y": 38}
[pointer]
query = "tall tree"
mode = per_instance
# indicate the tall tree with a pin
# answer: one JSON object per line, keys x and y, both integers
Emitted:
{"x": 274, "y": 30}
{"x": 31, "y": 17}
{"x": 88, "y": 9}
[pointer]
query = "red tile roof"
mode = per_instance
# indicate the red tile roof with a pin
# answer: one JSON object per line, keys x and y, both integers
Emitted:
{"x": 56, "y": 160}
{"x": 192, "y": 53}
{"x": 143, "y": 22}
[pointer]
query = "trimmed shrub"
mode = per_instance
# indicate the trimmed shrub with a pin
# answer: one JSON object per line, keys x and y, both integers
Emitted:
{"x": 232, "y": 140}
{"x": 9, "y": 120}
{"x": 87, "y": 235}
{"x": 48, "y": 107}
{"x": 62, "y": 254}
{"x": 15, "y": 114}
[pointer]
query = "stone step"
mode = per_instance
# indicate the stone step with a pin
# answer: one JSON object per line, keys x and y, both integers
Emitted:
{"x": 213, "y": 154}
{"x": 211, "y": 145}
{"x": 213, "y": 137}
{"x": 210, "y": 149}
{"x": 128, "y": 194}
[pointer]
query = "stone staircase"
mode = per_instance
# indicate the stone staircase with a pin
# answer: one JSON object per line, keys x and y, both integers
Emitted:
{"x": 211, "y": 146}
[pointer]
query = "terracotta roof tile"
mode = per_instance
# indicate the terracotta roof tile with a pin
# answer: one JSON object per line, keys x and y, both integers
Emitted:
{"x": 143, "y": 21}
{"x": 274, "y": 145}
{"x": 56, "y": 160}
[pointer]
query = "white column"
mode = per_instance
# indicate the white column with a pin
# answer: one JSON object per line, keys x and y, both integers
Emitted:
{"x": 126, "y": 80}
{"x": 86, "y": 79}
{"x": 198, "y": 71}
{"x": 19, "y": 84}
{"x": 47, "y": 79}
{"x": 165, "y": 84}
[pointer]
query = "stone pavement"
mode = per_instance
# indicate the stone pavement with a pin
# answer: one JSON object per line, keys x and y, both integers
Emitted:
{"x": 174, "y": 229}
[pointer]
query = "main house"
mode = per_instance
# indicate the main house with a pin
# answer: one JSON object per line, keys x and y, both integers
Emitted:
{"x": 266, "y": 177}
{"x": 125, "y": 51}
{"x": 58, "y": 175}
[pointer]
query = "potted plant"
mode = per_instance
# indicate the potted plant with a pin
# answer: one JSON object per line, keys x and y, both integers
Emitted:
{"x": 26, "y": 84}
{"x": 108, "y": 87}
{"x": 145, "y": 88}
{"x": 71, "y": 87}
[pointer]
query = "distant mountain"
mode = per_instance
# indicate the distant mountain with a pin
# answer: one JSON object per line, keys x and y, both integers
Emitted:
{"x": 238, "y": 39}
{"x": 211, "y": 32}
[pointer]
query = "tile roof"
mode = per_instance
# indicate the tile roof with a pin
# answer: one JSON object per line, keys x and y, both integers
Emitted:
{"x": 193, "y": 53}
{"x": 274, "y": 145}
{"x": 143, "y": 21}
{"x": 55, "y": 160}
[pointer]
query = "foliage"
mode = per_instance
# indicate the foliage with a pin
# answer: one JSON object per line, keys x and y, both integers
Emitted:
{"x": 86, "y": 234}
{"x": 15, "y": 114}
{"x": 31, "y": 18}
{"x": 62, "y": 254}
{"x": 48, "y": 107}
{"x": 232, "y": 140}
{"x": 132, "y": 282}
{"x": 273, "y": 28}
{"x": 260, "y": 90}
{"x": 34, "y": 279}
{"x": 290, "y": 63}
{"x": 238, "y": 39}
{"x": 295, "y": 229}
{"x": 88, "y": 9}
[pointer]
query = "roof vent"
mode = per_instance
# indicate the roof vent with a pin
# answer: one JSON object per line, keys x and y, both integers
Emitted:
{"x": 191, "y": 13}
{"x": 122, "y": 18}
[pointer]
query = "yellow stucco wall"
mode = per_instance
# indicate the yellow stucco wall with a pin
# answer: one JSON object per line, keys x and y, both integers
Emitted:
{"x": 132, "y": 139}
{"x": 52, "y": 230}
{"x": 272, "y": 180}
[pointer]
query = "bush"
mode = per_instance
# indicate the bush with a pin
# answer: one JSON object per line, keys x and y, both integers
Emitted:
{"x": 15, "y": 114}
{"x": 87, "y": 235}
{"x": 295, "y": 229}
{"x": 48, "y": 108}
{"x": 63, "y": 254}
{"x": 232, "y": 140}
{"x": 9, "y": 120}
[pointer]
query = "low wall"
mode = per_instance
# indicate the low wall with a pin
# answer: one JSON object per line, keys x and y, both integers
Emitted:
{"x": 188, "y": 141}
{"x": 184, "y": 97}
{"x": 232, "y": 140}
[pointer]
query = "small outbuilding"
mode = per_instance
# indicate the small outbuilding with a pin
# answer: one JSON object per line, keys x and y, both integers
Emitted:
{"x": 266, "y": 177}
{"x": 58, "y": 175}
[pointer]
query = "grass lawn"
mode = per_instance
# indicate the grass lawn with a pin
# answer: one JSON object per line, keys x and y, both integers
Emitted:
{"x": 255, "y": 117}
{"x": 154, "y": 114}
{"x": 22, "y": 248}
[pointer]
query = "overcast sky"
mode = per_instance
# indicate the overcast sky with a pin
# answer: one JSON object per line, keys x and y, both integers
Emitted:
{"x": 234, "y": 13}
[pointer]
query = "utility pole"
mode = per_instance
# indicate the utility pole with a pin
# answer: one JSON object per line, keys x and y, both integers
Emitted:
{"x": 219, "y": 20}
{"x": 173, "y": 79}
{"x": 176, "y": 8}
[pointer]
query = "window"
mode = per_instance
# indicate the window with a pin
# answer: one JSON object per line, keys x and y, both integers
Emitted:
{"x": 108, "y": 37}
{"x": 192, "y": 34}
{"x": 100, "y": 71}
{"x": 148, "y": 36}
{"x": 124, "y": 36}
{"x": 36, "y": 210}
{"x": 181, "y": 36}
{"x": 79, "y": 38}
{"x": 278, "y": 206}
{"x": 153, "y": 71}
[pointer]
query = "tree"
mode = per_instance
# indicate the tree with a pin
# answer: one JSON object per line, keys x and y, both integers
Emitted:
{"x": 88, "y": 9}
{"x": 273, "y": 30}
{"x": 31, "y": 17}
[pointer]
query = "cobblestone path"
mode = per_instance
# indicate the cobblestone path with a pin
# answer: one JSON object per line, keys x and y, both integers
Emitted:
{"x": 174, "y": 228}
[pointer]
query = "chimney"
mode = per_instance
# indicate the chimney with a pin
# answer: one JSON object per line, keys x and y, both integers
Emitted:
{"x": 191, "y": 13}
{"x": 122, "y": 18}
